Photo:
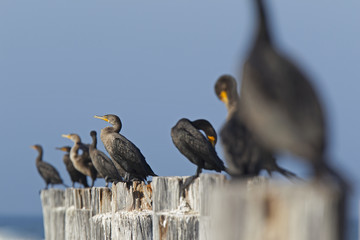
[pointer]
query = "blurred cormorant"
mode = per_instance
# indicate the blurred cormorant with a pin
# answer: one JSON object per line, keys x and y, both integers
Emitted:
{"x": 244, "y": 156}
{"x": 282, "y": 109}
{"x": 47, "y": 171}
{"x": 278, "y": 102}
{"x": 75, "y": 175}
{"x": 82, "y": 163}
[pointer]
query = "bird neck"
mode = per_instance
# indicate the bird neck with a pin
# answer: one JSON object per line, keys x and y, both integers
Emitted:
{"x": 233, "y": 105}
{"x": 116, "y": 127}
{"x": 263, "y": 34}
{"x": 206, "y": 127}
{"x": 203, "y": 128}
{"x": 74, "y": 151}
{"x": 66, "y": 159}
{"x": 94, "y": 142}
{"x": 40, "y": 155}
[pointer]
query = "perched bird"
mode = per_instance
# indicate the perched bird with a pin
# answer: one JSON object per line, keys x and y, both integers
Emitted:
{"x": 234, "y": 135}
{"x": 188, "y": 139}
{"x": 75, "y": 175}
{"x": 47, "y": 171}
{"x": 103, "y": 163}
{"x": 280, "y": 106}
{"x": 82, "y": 163}
{"x": 122, "y": 151}
{"x": 244, "y": 156}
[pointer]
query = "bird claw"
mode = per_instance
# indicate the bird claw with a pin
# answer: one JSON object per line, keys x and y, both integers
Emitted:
{"x": 186, "y": 184}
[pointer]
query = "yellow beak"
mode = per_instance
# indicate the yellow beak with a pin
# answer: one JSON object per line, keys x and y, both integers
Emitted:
{"x": 224, "y": 97}
{"x": 102, "y": 118}
{"x": 62, "y": 149}
{"x": 66, "y": 136}
{"x": 211, "y": 140}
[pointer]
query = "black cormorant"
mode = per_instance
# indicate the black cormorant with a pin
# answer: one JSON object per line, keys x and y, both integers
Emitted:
{"x": 188, "y": 139}
{"x": 82, "y": 163}
{"x": 75, "y": 175}
{"x": 281, "y": 107}
{"x": 103, "y": 163}
{"x": 47, "y": 171}
{"x": 244, "y": 156}
{"x": 278, "y": 102}
{"x": 122, "y": 151}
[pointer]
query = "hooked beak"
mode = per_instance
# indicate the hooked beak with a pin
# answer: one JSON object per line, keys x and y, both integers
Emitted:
{"x": 66, "y": 136}
{"x": 102, "y": 118}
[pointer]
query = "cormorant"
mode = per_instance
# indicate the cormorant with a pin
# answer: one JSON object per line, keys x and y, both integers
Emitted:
{"x": 281, "y": 107}
{"x": 103, "y": 163}
{"x": 82, "y": 163}
{"x": 47, "y": 171}
{"x": 188, "y": 139}
{"x": 279, "y": 103}
{"x": 244, "y": 156}
{"x": 122, "y": 151}
{"x": 75, "y": 175}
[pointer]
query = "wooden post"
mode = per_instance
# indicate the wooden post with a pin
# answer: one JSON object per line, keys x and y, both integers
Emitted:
{"x": 208, "y": 184}
{"x": 53, "y": 202}
{"x": 78, "y": 213}
{"x": 101, "y": 207}
{"x": 274, "y": 211}
{"x": 131, "y": 211}
{"x": 176, "y": 213}
{"x": 209, "y": 208}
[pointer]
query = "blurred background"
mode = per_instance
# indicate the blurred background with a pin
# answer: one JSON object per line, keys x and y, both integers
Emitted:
{"x": 152, "y": 63}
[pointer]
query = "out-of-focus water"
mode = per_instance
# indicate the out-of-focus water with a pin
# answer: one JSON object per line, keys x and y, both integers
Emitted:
{"x": 21, "y": 227}
{"x": 17, "y": 227}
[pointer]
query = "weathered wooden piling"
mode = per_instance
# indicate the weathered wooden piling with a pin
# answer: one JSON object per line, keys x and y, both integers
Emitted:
{"x": 53, "y": 205}
{"x": 275, "y": 212}
{"x": 132, "y": 211}
{"x": 209, "y": 208}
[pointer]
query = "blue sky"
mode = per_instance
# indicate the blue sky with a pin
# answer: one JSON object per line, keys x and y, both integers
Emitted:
{"x": 152, "y": 63}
